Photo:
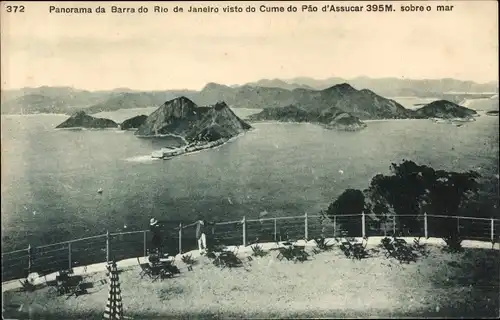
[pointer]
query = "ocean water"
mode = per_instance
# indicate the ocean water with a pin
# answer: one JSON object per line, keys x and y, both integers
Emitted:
{"x": 50, "y": 177}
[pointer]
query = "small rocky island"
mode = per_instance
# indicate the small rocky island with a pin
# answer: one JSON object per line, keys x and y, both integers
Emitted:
{"x": 133, "y": 123}
{"x": 200, "y": 127}
{"x": 331, "y": 118}
{"x": 444, "y": 109}
{"x": 82, "y": 120}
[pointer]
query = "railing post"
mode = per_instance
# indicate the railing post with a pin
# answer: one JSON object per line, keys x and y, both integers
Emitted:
{"x": 180, "y": 238}
{"x": 107, "y": 245}
{"x": 363, "y": 226}
{"x": 492, "y": 230}
{"x": 275, "y": 231}
{"x": 458, "y": 225}
{"x": 306, "y": 228}
{"x": 244, "y": 231}
{"x": 29, "y": 258}
{"x": 393, "y": 225}
{"x": 334, "y": 226}
{"x": 384, "y": 223}
{"x": 426, "y": 232}
{"x": 145, "y": 238}
{"x": 70, "y": 266}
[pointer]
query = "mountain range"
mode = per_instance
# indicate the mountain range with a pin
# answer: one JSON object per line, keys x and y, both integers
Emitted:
{"x": 261, "y": 94}
{"x": 340, "y": 107}
{"x": 385, "y": 86}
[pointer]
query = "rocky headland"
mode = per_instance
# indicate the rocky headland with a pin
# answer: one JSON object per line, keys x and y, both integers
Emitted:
{"x": 82, "y": 120}
{"x": 201, "y": 127}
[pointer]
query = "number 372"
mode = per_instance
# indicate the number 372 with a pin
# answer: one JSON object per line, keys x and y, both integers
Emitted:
{"x": 15, "y": 8}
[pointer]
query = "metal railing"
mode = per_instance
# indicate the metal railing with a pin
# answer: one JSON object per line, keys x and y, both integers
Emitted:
{"x": 122, "y": 245}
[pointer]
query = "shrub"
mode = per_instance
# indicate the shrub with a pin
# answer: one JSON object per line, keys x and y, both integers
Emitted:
{"x": 212, "y": 251}
{"x": 420, "y": 248}
{"x": 399, "y": 249}
{"x": 188, "y": 259}
{"x": 257, "y": 251}
{"x": 453, "y": 242}
{"x": 354, "y": 250}
{"x": 293, "y": 253}
{"x": 227, "y": 259}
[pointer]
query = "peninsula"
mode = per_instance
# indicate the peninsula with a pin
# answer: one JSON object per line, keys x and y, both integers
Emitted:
{"x": 200, "y": 127}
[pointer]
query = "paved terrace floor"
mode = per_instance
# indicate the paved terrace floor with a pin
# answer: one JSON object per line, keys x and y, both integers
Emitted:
{"x": 126, "y": 263}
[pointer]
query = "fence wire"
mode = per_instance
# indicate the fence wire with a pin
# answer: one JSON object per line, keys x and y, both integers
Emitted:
{"x": 119, "y": 246}
{"x": 88, "y": 251}
{"x": 15, "y": 265}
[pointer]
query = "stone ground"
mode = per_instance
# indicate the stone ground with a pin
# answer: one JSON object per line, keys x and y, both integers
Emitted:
{"x": 328, "y": 285}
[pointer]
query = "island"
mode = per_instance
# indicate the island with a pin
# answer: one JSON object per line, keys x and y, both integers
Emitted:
{"x": 200, "y": 127}
{"x": 444, "y": 109}
{"x": 82, "y": 120}
{"x": 332, "y": 118}
{"x": 133, "y": 123}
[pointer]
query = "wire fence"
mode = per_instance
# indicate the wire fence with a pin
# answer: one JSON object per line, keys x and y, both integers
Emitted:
{"x": 123, "y": 245}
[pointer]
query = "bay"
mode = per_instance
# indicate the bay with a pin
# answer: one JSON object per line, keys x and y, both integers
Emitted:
{"x": 50, "y": 177}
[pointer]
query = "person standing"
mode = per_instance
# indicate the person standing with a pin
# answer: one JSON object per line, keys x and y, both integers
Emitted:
{"x": 156, "y": 241}
{"x": 200, "y": 236}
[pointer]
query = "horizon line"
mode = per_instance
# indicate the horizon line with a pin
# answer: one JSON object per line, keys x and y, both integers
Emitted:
{"x": 252, "y": 82}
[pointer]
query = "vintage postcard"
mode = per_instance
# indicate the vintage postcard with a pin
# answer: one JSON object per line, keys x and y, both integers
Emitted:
{"x": 212, "y": 159}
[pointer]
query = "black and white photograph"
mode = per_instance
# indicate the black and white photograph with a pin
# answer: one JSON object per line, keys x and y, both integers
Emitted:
{"x": 250, "y": 160}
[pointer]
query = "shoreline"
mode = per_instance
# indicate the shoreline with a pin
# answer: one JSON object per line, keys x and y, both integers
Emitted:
{"x": 34, "y": 114}
{"x": 161, "y": 136}
{"x": 185, "y": 150}
{"x": 88, "y": 129}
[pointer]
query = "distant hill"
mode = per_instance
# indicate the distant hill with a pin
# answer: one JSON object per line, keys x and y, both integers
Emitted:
{"x": 244, "y": 97}
{"x": 81, "y": 120}
{"x": 34, "y": 103}
{"x": 264, "y": 93}
{"x": 364, "y": 104}
{"x": 389, "y": 86}
{"x": 182, "y": 117}
{"x": 50, "y": 100}
{"x": 331, "y": 117}
{"x": 277, "y": 83}
{"x": 445, "y": 110}
{"x": 129, "y": 100}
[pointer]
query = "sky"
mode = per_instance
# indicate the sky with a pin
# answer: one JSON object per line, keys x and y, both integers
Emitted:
{"x": 157, "y": 51}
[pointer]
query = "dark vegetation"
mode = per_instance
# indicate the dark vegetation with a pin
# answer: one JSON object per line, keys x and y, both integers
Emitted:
{"x": 322, "y": 245}
{"x": 409, "y": 192}
{"x": 293, "y": 253}
{"x": 83, "y": 120}
{"x": 352, "y": 249}
{"x": 188, "y": 259}
{"x": 257, "y": 251}
{"x": 223, "y": 258}
{"x": 402, "y": 251}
